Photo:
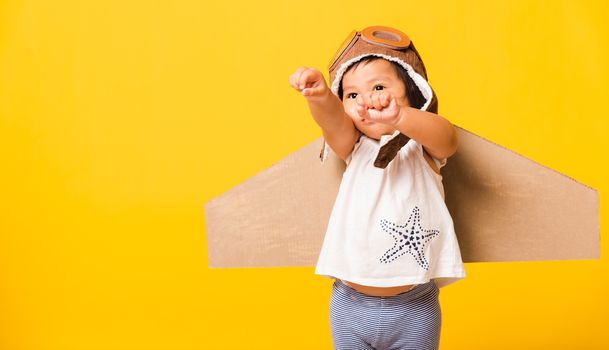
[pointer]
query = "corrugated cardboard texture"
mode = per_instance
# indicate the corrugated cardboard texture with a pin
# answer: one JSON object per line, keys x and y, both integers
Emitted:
{"x": 505, "y": 208}
{"x": 277, "y": 217}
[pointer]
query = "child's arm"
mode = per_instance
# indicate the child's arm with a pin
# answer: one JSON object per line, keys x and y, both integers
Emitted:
{"x": 327, "y": 110}
{"x": 437, "y": 135}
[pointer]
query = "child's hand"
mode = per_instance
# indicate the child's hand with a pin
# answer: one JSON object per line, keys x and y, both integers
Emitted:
{"x": 310, "y": 82}
{"x": 378, "y": 107}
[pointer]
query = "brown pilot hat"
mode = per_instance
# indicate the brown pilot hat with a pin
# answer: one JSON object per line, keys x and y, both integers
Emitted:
{"x": 392, "y": 45}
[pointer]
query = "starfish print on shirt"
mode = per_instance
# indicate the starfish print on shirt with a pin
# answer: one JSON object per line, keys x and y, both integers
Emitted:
{"x": 409, "y": 238}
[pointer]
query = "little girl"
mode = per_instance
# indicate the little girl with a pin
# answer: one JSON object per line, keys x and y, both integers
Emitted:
{"x": 390, "y": 242}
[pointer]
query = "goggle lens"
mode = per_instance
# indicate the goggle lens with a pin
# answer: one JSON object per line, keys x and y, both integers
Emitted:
{"x": 376, "y": 35}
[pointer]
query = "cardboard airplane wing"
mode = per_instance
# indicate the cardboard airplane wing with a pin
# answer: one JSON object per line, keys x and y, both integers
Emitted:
{"x": 505, "y": 207}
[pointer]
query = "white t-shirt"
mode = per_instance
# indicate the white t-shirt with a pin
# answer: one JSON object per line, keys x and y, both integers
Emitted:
{"x": 390, "y": 227}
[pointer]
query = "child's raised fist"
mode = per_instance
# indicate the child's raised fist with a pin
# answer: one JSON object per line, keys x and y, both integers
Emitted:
{"x": 379, "y": 107}
{"x": 310, "y": 82}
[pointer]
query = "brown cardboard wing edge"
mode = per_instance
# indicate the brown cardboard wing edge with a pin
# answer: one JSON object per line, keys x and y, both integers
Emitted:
{"x": 505, "y": 207}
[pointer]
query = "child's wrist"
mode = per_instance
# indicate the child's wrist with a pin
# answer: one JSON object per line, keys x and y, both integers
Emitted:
{"x": 401, "y": 118}
{"x": 321, "y": 97}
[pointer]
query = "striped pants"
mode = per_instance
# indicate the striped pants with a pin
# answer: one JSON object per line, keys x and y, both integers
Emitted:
{"x": 410, "y": 320}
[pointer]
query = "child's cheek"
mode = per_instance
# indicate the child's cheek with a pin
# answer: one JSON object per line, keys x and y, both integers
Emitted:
{"x": 352, "y": 111}
{"x": 402, "y": 102}
{"x": 347, "y": 109}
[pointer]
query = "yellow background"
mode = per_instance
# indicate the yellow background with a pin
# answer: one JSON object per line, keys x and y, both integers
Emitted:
{"x": 119, "y": 119}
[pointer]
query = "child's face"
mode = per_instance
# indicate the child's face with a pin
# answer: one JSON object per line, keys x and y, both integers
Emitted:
{"x": 376, "y": 75}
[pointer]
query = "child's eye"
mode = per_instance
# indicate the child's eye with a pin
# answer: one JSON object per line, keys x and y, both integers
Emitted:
{"x": 352, "y": 94}
{"x": 379, "y": 86}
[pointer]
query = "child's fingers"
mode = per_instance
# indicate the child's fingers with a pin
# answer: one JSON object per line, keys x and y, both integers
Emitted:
{"x": 368, "y": 100}
{"x": 309, "y": 81}
{"x": 360, "y": 101}
{"x": 376, "y": 103}
{"x": 385, "y": 100}
{"x": 380, "y": 100}
{"x": 307, "y": 92}
{"x": 314, "y": 90}
{"x": 362, "y": 111}
{"x": 301, "y": 78}
{"x": 306, "y": 77}
{"x": 363, "y": 107}
{"x": 294, "y": 78}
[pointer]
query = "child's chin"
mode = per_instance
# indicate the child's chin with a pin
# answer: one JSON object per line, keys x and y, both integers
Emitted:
{"x": 374, "y": 135}
{"x": 375, "y": 131}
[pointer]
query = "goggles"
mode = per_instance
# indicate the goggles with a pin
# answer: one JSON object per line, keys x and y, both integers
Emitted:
{"x": 376, "y": 35}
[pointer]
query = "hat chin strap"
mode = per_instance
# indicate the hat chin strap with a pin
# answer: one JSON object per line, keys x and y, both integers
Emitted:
{"x": 391, "y": 148}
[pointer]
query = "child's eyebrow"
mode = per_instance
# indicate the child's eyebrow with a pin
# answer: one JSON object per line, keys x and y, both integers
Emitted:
{"x": 347, "y": 87}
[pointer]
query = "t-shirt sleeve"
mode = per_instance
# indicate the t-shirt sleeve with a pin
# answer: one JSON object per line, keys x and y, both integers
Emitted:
{"x": 325, "y": 148}
{"x": 439, "y": 162}
{"x": 323, "y": 154}
{"x": 354, "y": 150}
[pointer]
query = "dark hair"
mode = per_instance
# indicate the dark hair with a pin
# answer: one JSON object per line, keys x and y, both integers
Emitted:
{"x": 414, "y": 95}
